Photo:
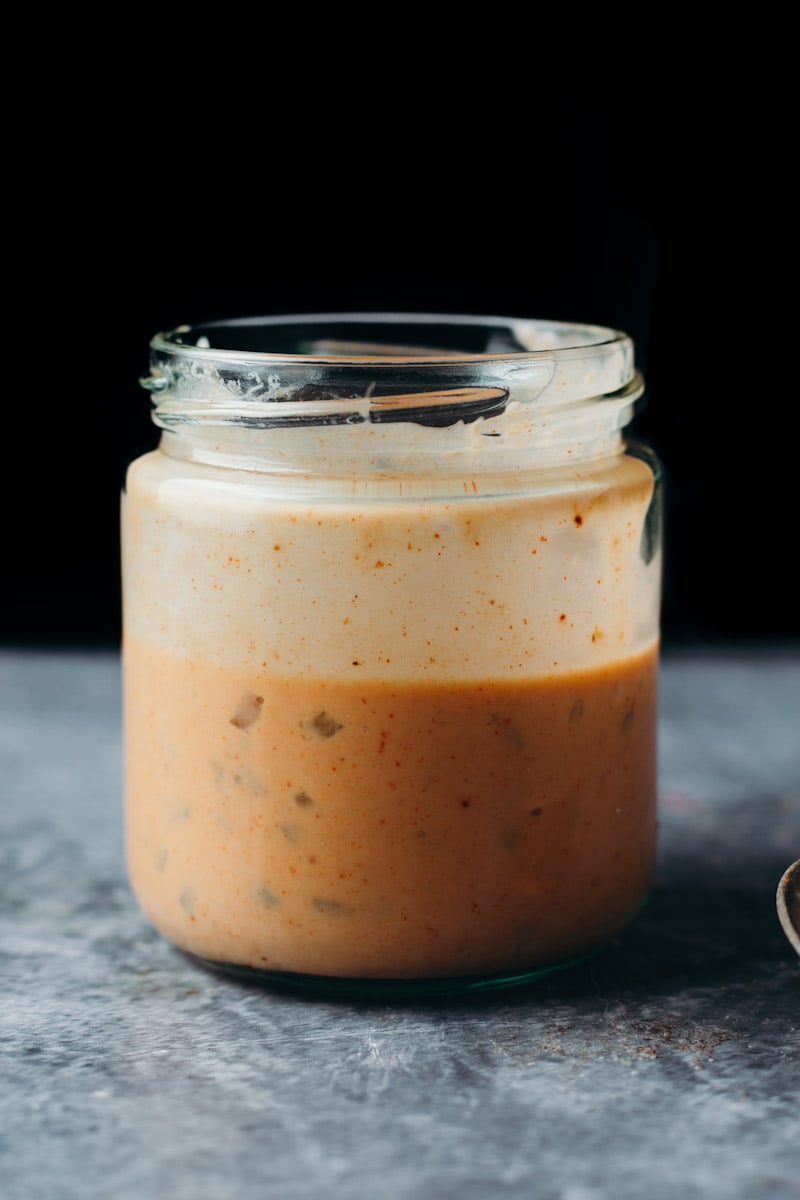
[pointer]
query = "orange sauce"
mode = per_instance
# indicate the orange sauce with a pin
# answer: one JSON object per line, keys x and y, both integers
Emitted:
{"x": 382, "y": 828}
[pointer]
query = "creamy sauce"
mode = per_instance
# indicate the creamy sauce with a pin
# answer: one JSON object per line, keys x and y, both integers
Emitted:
{"x": 392, "y": 738}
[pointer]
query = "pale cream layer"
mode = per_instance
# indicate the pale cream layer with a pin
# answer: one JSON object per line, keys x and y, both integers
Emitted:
{"x": 243, "y": 569}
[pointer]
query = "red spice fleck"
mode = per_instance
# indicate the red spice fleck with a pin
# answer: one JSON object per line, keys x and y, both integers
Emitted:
{"x": 578, "y": 519}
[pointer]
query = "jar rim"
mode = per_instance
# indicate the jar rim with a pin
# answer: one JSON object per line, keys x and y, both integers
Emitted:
{"x": 319, "y": 337}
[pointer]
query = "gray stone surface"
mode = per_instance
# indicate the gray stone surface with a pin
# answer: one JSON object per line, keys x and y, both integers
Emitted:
{"x": 665, "y": 1068}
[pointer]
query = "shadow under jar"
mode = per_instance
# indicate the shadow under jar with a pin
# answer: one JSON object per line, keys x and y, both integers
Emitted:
{"x": 391, "y": 596}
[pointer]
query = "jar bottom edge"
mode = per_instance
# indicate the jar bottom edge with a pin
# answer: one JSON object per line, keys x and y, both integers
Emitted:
{"x": 337, "y": 987}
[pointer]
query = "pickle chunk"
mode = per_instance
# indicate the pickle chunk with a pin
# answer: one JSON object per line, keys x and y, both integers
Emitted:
{"x": 247, "y": 710}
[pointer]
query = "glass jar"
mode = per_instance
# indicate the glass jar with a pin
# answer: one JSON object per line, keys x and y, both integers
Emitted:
{"x": 391, "y": 601}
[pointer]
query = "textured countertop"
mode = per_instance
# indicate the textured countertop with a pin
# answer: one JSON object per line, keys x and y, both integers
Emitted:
{"x": 668, "y": 1067}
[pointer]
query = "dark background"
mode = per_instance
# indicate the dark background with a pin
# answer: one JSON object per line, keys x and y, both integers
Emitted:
{"x": 575, "y": 176}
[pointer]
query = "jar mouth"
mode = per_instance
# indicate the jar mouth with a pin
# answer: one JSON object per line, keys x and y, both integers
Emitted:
{"x": 361, "y": 338}
{"x": 373, "y": 369}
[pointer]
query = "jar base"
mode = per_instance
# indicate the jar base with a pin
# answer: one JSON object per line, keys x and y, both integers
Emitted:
{"x": 333, "y": 986}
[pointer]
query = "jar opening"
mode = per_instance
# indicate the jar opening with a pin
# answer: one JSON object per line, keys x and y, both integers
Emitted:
{"x": 382, "y": 336}
{"x": 529, "y": 386}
